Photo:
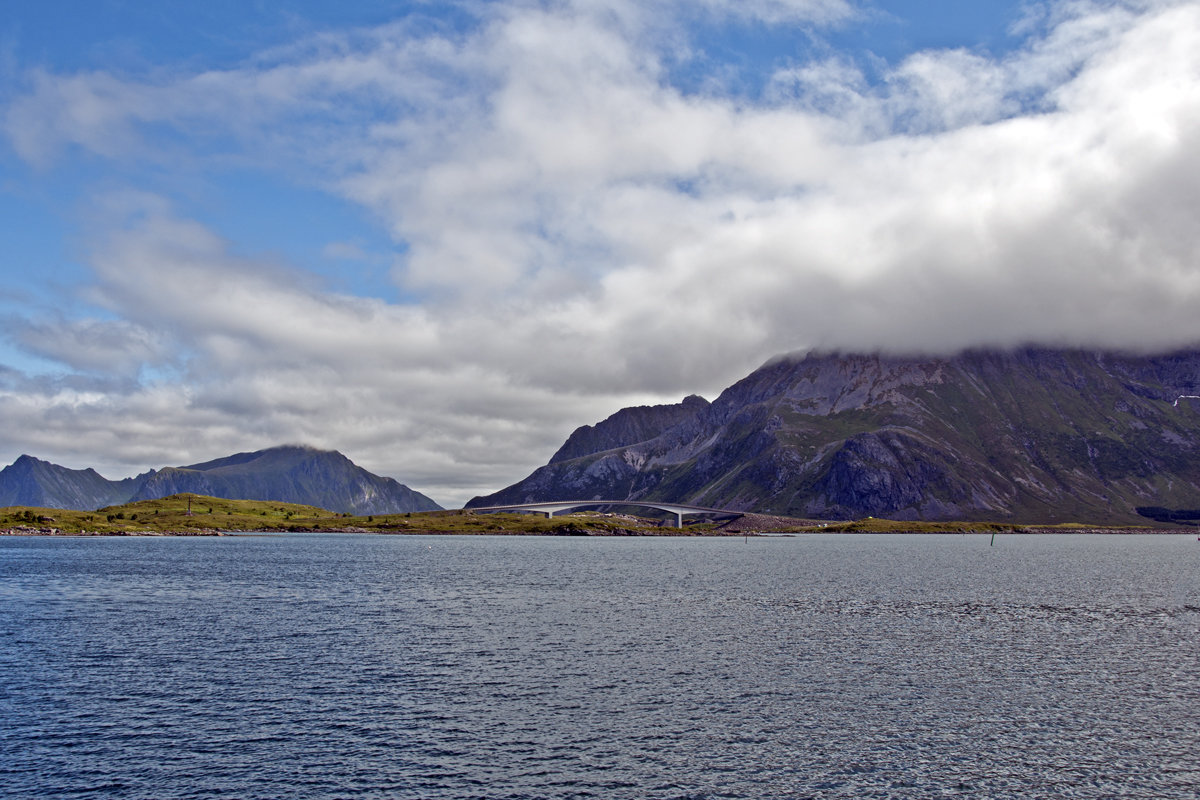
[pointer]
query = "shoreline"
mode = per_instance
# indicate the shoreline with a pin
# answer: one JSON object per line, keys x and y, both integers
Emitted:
{"x": 1035, "y": 530}
{"x": 89, "y": 534}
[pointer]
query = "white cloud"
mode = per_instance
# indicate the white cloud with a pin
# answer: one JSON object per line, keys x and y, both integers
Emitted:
{"x": 584, "y": 235}
{"x": 425, "y": 400}
{"x": 89, "y": 345}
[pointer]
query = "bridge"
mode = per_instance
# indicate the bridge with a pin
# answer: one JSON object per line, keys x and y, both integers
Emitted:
{"x": 552, "y": 507}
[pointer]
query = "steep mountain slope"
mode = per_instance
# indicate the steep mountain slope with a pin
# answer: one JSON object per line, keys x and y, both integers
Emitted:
{"x": 1034, "y": 435}
{"x": 286, "y": 474}
{"x": 29, "y": 481}
{"x": 322, "y": 478}
{"x": 628, "y": 425}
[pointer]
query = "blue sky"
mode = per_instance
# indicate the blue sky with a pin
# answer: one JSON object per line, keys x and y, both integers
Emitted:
{"x": 440, "y": 236}
{"x": 286, "y": 214}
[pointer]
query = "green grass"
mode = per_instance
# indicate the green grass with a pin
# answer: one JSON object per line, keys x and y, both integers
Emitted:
{"x": 872, "y": 525}
{"x": 169, "y": 515}
{"x": 209, "y": 514}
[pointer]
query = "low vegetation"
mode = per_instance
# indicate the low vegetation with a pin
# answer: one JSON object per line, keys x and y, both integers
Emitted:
{"x": 872, "y": 525}
{"x": 190, "y": 514}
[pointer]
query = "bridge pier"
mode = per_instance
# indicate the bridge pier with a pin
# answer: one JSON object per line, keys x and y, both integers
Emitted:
{"x": 550, "y": 508}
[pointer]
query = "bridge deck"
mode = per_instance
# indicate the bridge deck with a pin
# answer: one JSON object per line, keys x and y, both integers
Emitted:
{"x": 549, "y": 508}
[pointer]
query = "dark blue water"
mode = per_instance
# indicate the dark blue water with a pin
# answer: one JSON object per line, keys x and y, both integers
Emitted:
{"x": 345, "y": 666}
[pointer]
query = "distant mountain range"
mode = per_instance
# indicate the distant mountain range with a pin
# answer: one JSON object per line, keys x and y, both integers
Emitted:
{"x": 1033, "y": 435}
{"x": 322, "y": 478}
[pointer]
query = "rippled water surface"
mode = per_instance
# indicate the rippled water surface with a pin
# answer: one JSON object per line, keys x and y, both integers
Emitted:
{"x": 331, "y": 666}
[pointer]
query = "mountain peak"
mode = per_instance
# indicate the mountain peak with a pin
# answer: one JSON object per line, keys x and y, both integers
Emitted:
{"x": 279, "y": 452}
{"x": 1033, "y": 434}
{"x": 288, "y": 473}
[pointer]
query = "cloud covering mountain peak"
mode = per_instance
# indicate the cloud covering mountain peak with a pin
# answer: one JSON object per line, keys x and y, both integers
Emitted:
{"x": 581, "y": 206}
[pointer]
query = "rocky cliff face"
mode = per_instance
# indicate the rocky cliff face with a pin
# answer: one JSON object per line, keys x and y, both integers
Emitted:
{"x": 29, "y": 481}
{"x": 1034, "y": 435}
{"x": 628, "y": 426}
{"x": 292, "y": 475}
{"x": 287, "y": 474}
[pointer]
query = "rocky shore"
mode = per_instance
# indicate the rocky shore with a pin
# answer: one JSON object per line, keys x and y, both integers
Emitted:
{"x": 25, "y": 530}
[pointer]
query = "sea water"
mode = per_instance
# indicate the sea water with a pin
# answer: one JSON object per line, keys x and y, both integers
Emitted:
{"x": 822, "y": 666}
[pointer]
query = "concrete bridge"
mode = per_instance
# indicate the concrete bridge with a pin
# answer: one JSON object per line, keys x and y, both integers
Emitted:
{"x": 550, "y": 508}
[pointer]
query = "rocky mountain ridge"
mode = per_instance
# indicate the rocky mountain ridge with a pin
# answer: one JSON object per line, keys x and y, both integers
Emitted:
{"x": 1032, "y": 435}
{"x": 293, "y": 474}
{"x": 29, "y": 481}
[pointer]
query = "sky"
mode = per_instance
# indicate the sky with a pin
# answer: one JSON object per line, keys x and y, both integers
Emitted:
{"x": 439, "y": 236}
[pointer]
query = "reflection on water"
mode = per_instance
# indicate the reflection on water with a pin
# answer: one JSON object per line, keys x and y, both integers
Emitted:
{"x": 823, "y": 666}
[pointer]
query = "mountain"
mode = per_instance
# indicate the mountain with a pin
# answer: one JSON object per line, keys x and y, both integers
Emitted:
{"x": 1029, "y": 435}
{"x": 322, "y": 478}
{"x": 29, "y": 481}
{"x": 286, "y": 474}
{"x": 628, "y": 425}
